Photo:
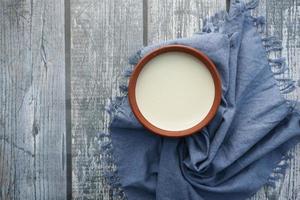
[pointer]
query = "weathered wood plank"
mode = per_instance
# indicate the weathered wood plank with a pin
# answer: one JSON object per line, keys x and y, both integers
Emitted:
{"x": 179, "y": 18}
{"x": 32, "y": 100}
{"x": 104, "y": 33}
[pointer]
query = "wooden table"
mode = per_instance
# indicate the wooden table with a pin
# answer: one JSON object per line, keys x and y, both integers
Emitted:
{"x": 61, "y": 60}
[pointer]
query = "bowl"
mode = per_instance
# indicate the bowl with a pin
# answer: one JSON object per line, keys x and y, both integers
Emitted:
{"x": 174, "y": 91}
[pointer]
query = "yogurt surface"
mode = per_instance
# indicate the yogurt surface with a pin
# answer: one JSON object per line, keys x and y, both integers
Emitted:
{"x": 175, "y": 91}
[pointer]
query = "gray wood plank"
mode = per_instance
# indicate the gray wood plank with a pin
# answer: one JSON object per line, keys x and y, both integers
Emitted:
{"x": 171, "y": 19}
{"x": 32, "y": 101}
{"x": 104, "y": 34}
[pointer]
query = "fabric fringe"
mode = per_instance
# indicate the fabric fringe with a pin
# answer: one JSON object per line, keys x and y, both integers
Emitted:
{"x": 272, "y": 44}
{"x": 279, "y": 170}
{"x": 108, "y": 157}
{"x": 278, "y": 66}
{"x": 286, "y": 84}
{"x": 113, "y": 105}
{"x": 104, "y": 139}
{"x": 214, "y": 23}
{"x": 134, "y": 59}
{"x": 124, "y": 79}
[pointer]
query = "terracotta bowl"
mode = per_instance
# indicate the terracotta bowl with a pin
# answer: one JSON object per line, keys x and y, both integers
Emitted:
{"x": 174, "y": 48}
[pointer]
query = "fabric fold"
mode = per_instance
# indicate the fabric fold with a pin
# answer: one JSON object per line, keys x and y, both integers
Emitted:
{"x": 237, "y": 152}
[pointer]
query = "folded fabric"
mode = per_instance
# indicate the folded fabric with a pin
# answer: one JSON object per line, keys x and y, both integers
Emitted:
{"x": 249, "y": 137}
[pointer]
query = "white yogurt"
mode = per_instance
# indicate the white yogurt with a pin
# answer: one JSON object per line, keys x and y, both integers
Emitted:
{"x": 175, "y": 91}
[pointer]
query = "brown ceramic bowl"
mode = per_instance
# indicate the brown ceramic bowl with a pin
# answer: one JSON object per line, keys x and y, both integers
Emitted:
{"x": 174, "y": 48}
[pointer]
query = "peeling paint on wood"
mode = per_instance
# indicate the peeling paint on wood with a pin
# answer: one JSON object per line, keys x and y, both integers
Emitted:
{"x": 32, "y": 101}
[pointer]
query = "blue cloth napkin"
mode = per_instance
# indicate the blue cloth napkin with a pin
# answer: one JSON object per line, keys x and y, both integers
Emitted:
{"x": 237, "y": 152}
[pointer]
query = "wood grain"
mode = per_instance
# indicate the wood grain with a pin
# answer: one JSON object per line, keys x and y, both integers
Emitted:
{"x": 104, "y": 34}
{"x": 32, "y": 101}
{"x": 170, "y": 19}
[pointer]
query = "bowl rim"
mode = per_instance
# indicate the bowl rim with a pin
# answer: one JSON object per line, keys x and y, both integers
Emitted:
{"x": 174, "y": 48}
